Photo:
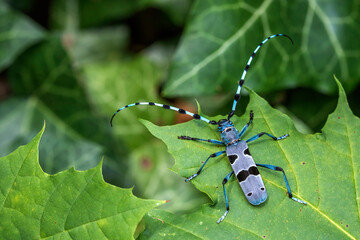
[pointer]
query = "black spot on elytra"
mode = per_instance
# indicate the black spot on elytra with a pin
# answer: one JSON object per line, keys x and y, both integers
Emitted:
{"x": 247, "y": 152}
{"x": 232, "y": 158}
{"x": 241, "y": 176}
{"x": 253, "y": 170}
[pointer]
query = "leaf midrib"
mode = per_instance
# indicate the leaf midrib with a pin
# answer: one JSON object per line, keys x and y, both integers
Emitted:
{"x": 315, "y": 208}
{"x": 352, "y": 166}
{"x": 309, "y": 204}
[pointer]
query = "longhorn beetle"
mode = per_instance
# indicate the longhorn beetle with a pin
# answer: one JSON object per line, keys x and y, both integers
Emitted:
{"x": 236, "y": 149}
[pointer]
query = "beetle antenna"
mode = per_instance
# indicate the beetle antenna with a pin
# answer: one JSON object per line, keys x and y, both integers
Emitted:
{"x": 179, "y": 110}
{"x": 241, "y": 82}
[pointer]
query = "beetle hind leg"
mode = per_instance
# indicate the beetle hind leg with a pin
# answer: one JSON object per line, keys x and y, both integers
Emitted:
{"x": 267, "y": 134}
{"x": 226, "y": 179}
{"x": 276, "y": 168}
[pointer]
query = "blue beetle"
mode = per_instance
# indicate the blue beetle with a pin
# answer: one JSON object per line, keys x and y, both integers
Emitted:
{"x": 236, "y": 149}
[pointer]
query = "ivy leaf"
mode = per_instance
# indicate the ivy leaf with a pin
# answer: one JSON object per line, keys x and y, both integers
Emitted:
{"x": 70, "y": 204}
{"x": 118, "y": 79}
{"x": 44, "y": 75}
{"x": 323, "y": 169}
{"x": 60, "y": 149}
{"x": 87, "y": 14}
{"x": 17, "y": 32}
{"x": 84, "y": 12}
{"x": 220, "y": 36}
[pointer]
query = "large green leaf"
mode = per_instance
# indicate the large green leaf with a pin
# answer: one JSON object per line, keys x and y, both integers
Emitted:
{"x": 68, "y": 205}
{"x": 323, "y": 169}
{"x": 17, "y": 32}
{"x": 221, "y": 35}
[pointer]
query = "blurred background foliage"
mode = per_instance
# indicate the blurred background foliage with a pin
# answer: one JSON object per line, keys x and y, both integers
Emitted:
{"x": 73, "y": 63}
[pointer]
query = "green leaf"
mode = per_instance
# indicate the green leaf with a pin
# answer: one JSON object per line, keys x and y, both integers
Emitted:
{"x": 45, "y": 73}
{"x": 176, "y": 10}
{"x": 149, "y": 167}
{"x": 92, "y": 13}
{"x": 323, "y": 169}
{"x": 68, "y": 205}
{"x": 86, "y": 14}
{"x": 111, "y": 86}
{"x": 96, "y": 45}
{"x": 17, "y": 32}
{"x": 220, "y": 36}
{"x": 61, "y": 147}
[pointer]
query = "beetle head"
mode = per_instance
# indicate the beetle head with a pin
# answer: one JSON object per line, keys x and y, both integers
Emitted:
{"x": 224, "y": 123}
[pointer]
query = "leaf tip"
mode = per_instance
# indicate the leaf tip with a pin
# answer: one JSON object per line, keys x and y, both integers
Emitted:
{"x": 146, "y": 123}
{"x": 342, "y": 95}
{"x": 39, "y": 135}
{"x": 340, "y": 87}
{"x": 100, "y": 165}
{"x": 198, "y": 106}
{"x": 161, "y": 202}
{"x": 252, "y": 93}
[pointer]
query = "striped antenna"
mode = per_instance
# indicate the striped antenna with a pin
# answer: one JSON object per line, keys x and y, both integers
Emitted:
{"x": 241, "y": 82}
{"x": 179, "y": 110}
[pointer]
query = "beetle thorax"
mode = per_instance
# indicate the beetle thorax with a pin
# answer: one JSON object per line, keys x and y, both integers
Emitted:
{"x": 228, "y": 132}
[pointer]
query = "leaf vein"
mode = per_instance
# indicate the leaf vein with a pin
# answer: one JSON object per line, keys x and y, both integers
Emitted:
{"x": 226, "y": 44}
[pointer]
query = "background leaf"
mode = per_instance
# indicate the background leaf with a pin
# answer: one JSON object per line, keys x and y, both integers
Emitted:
{"x": 322, "y": 169}
{"x": 67, "y": 205}
{"x": 117, "y": 79}
{"x": 45, "y": 75}
{"x": 221, "y": 35}
{"x": 45, "y": 72}
{"x": 108, "y": 12}
{"x": 17, "y": 33}
{"x": 61, "y": 147}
